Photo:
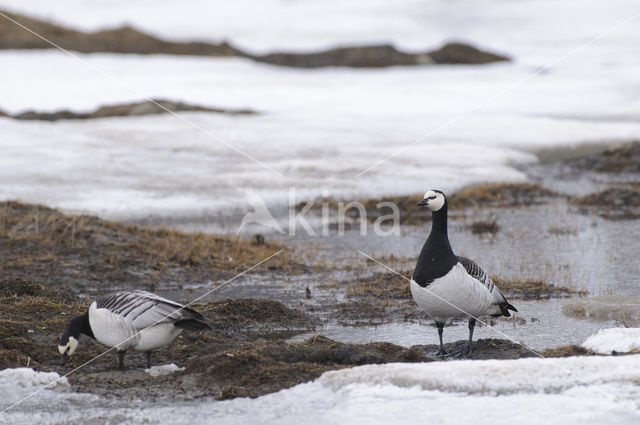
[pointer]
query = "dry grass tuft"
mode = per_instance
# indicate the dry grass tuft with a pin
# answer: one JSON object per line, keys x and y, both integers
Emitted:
{"x": 481, "y": 227}
{"x": 500, "y": 195}
{"x": 567, "y": 351}
{"x": 86, "y": 252}
{"x": 380, "y": 285}
{"x": 533, "y": 289}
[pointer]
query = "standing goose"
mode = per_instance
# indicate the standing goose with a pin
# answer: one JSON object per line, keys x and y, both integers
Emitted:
{"x": 448, "y": 286}
{"x": 137, "y": 320}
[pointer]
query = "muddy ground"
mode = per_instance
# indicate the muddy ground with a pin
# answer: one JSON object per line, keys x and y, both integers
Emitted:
{"x": 50, "y": 260}
{"x": 129, "y": 40}
{"x": 246, "y": 353}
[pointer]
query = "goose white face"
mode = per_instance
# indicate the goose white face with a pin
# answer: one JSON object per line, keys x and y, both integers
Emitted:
{"x": 433, "y": 200}
{"x": 69, "y": 348}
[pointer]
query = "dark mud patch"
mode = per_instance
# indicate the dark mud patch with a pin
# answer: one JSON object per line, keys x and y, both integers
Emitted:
{"x": 483, "y": 349}
{"x": 157, "y": 106}
{"x": 89, "y": 254}
{"x": 382, "y": 56}
{"x": 267, "y": 367}
{"x": 613, "y": 203}
{"x": 129, "y": 40}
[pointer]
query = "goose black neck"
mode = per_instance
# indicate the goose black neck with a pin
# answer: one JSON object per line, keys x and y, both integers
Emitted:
{"x": 80, "y": 325}
{"x": 439, "y": 221}
{"x": 436, "y": 258}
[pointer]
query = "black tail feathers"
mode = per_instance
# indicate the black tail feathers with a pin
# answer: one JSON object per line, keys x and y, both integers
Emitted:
{"x": 192, "y": 325}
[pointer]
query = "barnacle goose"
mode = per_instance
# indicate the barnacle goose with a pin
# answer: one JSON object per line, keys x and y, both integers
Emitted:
{"x": 448, "y": 286}
{"x": 137, "y": 320}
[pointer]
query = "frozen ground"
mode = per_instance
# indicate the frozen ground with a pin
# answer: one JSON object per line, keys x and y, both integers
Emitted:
{"x": 574, "y": 390}
{"x": 321, "y": 128}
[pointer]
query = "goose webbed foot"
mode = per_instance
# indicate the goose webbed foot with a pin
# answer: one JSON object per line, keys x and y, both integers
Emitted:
{"x": 442, "y": 353}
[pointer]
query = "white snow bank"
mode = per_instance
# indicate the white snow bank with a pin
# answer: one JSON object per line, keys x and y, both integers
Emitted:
{"x": 492, "y": 376}
{"x": 165, "y": 369}
{"x": 524, "y": 391}
{"x": 26, "y": 377}
{"x": 621, "y": 340}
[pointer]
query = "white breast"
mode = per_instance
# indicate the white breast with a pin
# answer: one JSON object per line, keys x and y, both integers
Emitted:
{"x": 454, "y": 295}
{"x": 113, "y": 329}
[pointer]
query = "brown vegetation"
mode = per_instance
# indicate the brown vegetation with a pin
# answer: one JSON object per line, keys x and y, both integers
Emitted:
{"x": 533, "y": 289}
{"x": 567, "y": 351}
{"x": 617, "y": 159}
{"x": 157, "y": 106}
{"x": 88, "y": 253}
{"x": 119, "y": 40}
{"x": 129, "y": 40}
{"x": 481, "y": 227}
{"x": 382, "y": 56}
{"x": 501, "y": 195}
{"x": 612, "y": 203}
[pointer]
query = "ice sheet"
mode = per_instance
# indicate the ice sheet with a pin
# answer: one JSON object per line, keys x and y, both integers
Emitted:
{"x": 318, "y": 129}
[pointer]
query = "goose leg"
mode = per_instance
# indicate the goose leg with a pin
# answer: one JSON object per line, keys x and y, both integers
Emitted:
{"x": 121, "y": 359}
{"x": 148, "y": 355}
{"x": 440, "y": 326}
{"x": 472, "y": 324}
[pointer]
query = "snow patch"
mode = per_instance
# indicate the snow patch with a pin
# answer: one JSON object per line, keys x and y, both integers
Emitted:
{"x": 164, "y": 369}
{"x": 26, "y": 377}
{"x": 620, "y": 340}
{"x": 491, "y": 376}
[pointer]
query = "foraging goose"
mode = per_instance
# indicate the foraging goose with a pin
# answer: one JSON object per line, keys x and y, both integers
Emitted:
{"x": 127, "y": 320}
{"x": 448, "y": 286}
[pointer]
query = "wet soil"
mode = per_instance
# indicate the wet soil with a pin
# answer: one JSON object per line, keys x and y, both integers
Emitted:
{"x": 246, "y": 354}
{"x": 157, "y": 106}
{"x": 129, "y": 40}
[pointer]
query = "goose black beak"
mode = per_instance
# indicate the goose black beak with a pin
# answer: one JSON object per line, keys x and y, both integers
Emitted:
{"x": 424, "y": 202}
{"x": 64, "y": 359}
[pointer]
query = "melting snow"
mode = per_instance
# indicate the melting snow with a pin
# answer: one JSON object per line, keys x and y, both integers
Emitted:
{"x": 620, "y": 340}
{"x": 163, "y": 369}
